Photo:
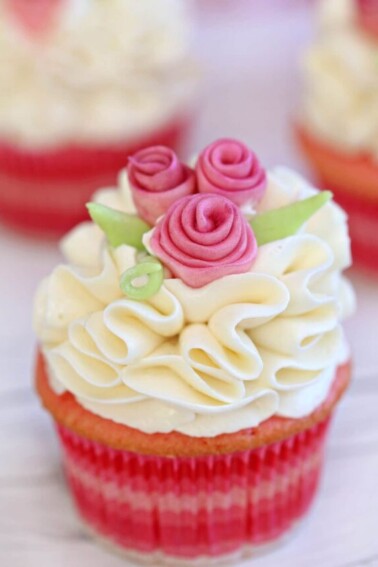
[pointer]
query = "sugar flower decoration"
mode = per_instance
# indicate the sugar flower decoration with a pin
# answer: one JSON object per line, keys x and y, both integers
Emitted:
{"x": 202, "y": 238}
{"x": 229, "y": 168}
{"x": 200, "y": 232}
{"x": 158, "y": 179}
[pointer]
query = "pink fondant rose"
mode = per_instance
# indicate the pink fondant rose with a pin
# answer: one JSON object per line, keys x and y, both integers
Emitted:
{"x": 202, "y": 238}
{"x": 228, "y": 167}
{"x": 158, "y": 179}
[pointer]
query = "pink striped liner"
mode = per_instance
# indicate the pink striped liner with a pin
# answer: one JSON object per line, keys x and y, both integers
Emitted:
{"x": 184, "y": 509}
{"x": 45, "y": 191}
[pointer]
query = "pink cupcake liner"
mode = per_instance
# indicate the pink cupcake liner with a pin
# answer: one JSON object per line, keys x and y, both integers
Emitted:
{"x": 362, "y": 223}
{"x": 179, "y": 508}
{"x": 353, "y": 180}
{"x": 46, "y": 191}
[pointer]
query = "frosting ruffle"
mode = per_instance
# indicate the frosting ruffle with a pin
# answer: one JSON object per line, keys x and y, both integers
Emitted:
{"x": 106, "y": 71}
{"x": 341, "y": 81}
{"x": 208, "y": 360}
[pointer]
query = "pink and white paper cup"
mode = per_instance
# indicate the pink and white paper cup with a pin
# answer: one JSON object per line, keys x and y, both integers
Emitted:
{"x": 206, "y": 508}
{"x": 45, "y": 192}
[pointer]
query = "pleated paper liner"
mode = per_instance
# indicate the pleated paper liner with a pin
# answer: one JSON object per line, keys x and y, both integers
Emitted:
{"x": 354, "y": 183}
{"x": 205, "y": 508}
{"x": 178, "y": 499}
{"x": 45, "y": 192}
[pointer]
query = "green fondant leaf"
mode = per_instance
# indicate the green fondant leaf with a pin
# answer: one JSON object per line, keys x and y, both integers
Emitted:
{"x": 120, "y": 228}
{"x": 149, "y": 268}
{"x": 286, "y": 221}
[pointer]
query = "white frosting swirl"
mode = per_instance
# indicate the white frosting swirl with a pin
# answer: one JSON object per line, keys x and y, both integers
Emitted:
{"x": 201, "y": 361}
{"x": 341, "y": 82}
{"x": 106, "y": 71}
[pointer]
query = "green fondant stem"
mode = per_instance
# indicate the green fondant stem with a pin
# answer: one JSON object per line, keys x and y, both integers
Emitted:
{"x": 150, "y": 268}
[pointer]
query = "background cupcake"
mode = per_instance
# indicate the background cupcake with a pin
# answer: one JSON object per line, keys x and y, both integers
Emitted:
{"x": 83, "y": 84}
{"x": 338, "y": 126}
{"x": 192, "y": 359}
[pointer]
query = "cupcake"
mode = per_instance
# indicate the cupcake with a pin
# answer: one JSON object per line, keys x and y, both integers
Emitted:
{"x": 192, "y": 353}
{"x": 84, "y": 84}
{"x": 337, "y": 130}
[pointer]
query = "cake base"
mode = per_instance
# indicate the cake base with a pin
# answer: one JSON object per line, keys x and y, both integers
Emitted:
{"x": 68, "y": 413}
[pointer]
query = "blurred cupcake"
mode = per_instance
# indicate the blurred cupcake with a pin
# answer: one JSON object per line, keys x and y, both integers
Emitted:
{"x": 83, "y": 85}
{"x": 192, "y": 353}
{"x": 338, "y": 127}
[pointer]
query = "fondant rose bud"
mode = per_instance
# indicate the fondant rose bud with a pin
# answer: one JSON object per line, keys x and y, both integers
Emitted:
{"x": 158, "y": 179}
{"x": 202, "y": 238}
{"x": 228, "y": 167}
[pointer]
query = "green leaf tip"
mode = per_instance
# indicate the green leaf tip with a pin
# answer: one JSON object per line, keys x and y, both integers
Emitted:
{"x": 119, "y": 228}
{"x": 286, "y": 221}
{"x": 149, "y": 268}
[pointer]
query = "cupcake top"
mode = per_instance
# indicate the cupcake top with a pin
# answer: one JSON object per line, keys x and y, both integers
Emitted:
{"x": 91, "y": 70}
{"x": 341, "y": 79}
{"x": 203, "y": 299}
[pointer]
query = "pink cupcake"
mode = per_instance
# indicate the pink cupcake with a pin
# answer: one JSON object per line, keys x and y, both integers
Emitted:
{"x": 84, "y": 85}
{"x": 337, "y": 129}
{"x": 192, "y": 353}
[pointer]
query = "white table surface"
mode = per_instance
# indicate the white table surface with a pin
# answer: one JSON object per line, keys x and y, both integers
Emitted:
{"x": 250, "y": 91}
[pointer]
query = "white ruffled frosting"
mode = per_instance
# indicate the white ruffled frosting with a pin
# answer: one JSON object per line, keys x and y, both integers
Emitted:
{"x": 201, "y": 361}
{"x": 107, "y": 71}
{"x": 341, "y": 82}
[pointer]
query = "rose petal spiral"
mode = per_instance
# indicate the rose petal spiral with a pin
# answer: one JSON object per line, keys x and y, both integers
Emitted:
{"x": 228, "y": 167}
{"x": 203, "y": 238}
{"x": 158, "y": 179}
